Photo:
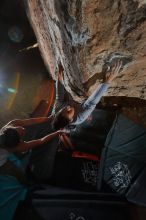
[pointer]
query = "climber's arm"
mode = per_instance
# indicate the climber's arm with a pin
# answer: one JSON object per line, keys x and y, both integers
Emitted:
{"x": 89, "y": 105}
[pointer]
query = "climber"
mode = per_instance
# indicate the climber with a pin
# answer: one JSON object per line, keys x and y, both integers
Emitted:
{"x": 67, "y": 168}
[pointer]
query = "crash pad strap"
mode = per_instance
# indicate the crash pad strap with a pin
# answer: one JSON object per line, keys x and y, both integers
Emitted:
{"x": 78, "y": 154}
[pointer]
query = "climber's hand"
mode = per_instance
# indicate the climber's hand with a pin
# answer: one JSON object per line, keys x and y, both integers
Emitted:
{"x": 60, "y": 72}
{"x": 114, "y": 72}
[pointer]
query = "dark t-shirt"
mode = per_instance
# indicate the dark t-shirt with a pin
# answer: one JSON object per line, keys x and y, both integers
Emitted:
{"x": 74, "y": 173}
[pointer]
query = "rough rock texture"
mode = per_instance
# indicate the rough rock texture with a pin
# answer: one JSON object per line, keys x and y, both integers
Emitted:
{"x": 87, "y": 36}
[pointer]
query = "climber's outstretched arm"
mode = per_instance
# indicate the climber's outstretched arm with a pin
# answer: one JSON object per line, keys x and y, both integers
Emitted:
{"x": 61, "y": 98}
{"x": 89, "y": 105}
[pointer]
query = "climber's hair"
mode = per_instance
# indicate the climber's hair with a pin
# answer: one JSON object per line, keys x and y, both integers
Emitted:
{"x": 59, "y": 121}
{"x": 9, "y": 137}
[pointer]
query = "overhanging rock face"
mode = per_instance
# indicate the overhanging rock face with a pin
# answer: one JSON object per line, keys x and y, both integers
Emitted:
{"x": 87, "y": 36}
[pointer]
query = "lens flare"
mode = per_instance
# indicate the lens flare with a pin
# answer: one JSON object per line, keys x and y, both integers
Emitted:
{"x": 14, "y": 91}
